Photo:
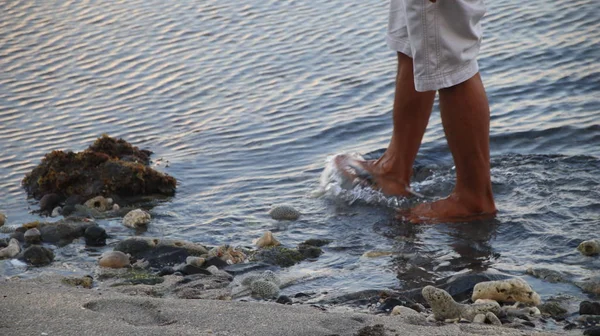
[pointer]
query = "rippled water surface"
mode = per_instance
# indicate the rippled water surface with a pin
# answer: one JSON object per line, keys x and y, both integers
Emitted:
{"x": 247, "y": 99}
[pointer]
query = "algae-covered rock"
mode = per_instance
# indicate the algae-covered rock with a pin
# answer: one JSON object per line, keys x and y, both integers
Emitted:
{"x": 511, "y": 290}
{"x": 85, "y": 281}
{"x": 108, "y": 166}
{"x": 279, "y": 255}
{"x": 64, "y": 231}
{"x": 37, "y": 255}
{"x": 589, "y": 247}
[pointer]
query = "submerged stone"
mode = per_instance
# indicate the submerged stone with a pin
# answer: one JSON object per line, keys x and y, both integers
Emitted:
{"x": 279, "y": 255}
{"x": 589, "y": 247}
{"x": 108, "y": 166}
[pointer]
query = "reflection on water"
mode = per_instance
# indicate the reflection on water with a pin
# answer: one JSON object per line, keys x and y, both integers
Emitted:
{"x": 247, "y": 102}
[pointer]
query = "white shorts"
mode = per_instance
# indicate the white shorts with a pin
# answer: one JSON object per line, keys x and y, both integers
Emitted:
{"x": 442, "y": 38}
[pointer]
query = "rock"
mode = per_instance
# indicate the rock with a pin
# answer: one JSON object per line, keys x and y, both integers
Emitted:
{"x": 264, "y": 289}
{"x": 49, "y": 202}
{"x": 228, "y": 254}
{"x": 317, "y": 242}
{"x": 238, "y": 269}
{"x": 593, "y": 331}
{"x": 99, "y": 203}
{"x": 279, "y": 255}
{"x": 56, "y": 212}
{"x": 376, "y": 330}
{"x": 136, "y": 218}
{"x": 589, "y": 308}
{"x": 511, "y": 290}
{"x": 114, "y": 259}
{"x": 377, "y": 254}
{"x": 95, "y": 236}
{"x": 284, "y": 299}
{"x": 64, "y": 231}
{"x": 401, "y": 310}
{"x": 589, "y": 247}
{"x": 590, "y": 285}
{"x": 284, "y": 212}
{"x": 195, "y": 261}
{"x": 191, "y": 269}
{"x": 11, "y": 250}
{"x": 310, "y": 251}
{"x": 549, "y": 275}
{"x": 136, "y": 247}
{"x": 553, "y": 309}
{"x": 217, "y": 272}
{"x": 116, "y": 207}
{"x": 215, "y": 261}
{"x": 74, "y": 200}
{"x": 167, "y": 270}
{"x": 267, "y": 240}
{"x": 162, "y": 255}
{"x": 18, "y": 235}
{"x": 3, "y": 243}
{"x": 32, "y": 236}
{"x": 2, "y": 219}
{"x": 492, "y": 319}
{"x": 108, "y": 166}
{"x": 85, "y": 282}
{"x": 444, "y": 307}
{"x": 37, "y": 255}
{"x": 193, "y": 249}
{"x": 479, "y": 318}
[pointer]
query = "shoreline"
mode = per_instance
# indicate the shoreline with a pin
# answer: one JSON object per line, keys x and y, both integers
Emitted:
{"x": 45, "y": 306}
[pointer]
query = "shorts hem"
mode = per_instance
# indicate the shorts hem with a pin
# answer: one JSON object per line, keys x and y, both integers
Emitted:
{"x": 446, "y": 80}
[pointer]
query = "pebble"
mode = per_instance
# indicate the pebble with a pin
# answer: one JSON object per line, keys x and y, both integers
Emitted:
{"x": 492, "y": 319}
{"x": 284, "y": 299}
{"x": 99, "y": 203}
{"x": 37, "y": 255}
{"x": 511, "y": 290}
{"x": 284, "y": 212}
{"x": 589, "y": 247}
{"x": 267, "y": 240}
{"x": 11, "y": 250}
{"x": 136, "y": 218}
{"x": 444, "y": 307}
{"x": 114, "y": 259}
{"x": 2, "y": 219}
{"x": 589, "y": 308}
{"x": 32, "y": 236}
{"x": 56, "y": 212}
{"x": 116, "y": 207}
{"x": 479, "y": 318}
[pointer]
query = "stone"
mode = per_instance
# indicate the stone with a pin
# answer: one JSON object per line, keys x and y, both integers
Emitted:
{"x": 492, "y": 319}
{"x": 37, "y": 255}
{"x": 136, "y": 247}
{"x": 18, "y": 235}
{"x": 95, "y": 236}
{"x": 12, "y": 250}
{"x": 32, "y": 236}
{"x": 309, "y": 251}
{"x": 401, "y": 310}
{"x": 590, "y": 285}
{"x": 167, "y": 270}
{"x": 284, "y": 212}
{"x": 589, "y": 247}
{"x": 377, "y": 254}
{"x": 136, "y": 218}
{"x": 589, "y": 308}
{"x": 116, "y": 207}
{"x": 264, "y": 289}
{"x": 553, "y": 309}
{"x": 479, "y": 318}
{"x": 317, "y": 242}
{"x": 267, "y": 240}
{"x": 511, "y": 290}
{"x": 64, "y": 231}
{"x": 444, "y": 307}
{"x": 109, "y": 166}
{"x": 191, "y": 269}
{"x": 546, "y": 274}
{"x": 215, "y": 261}
{"x": 114, "y": 259}
{"x": 49, "y": 201}
{"x": 593, "y": 331}
{"x": 2, "y": 219}
{"x": 284, "y": 299}
{"x": 217, "y": 272}
{"x": 191, "y": 248}
{"x": 195, "y": 261}
{"x": 3, "y": 243}
{"x": 56, "y": 212}
{"x": 98, "y": 203}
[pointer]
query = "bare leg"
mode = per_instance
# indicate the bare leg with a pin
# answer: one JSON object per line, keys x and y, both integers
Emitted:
{"x": 391, "y": 173}
{"x": 466, "y": 119}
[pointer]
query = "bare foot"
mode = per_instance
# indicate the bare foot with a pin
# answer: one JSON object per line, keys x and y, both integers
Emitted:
{"x": 372, "y": 173}
{"x": 450, "y": 209}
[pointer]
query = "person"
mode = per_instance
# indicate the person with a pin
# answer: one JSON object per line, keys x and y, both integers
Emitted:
{"x": 437, "y": 43}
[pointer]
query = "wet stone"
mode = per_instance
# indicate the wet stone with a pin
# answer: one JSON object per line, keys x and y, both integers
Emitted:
{"x": 38, "y": 255}
{"x": 284, "y": 299}
{"x": 553, "y": 309}
{"x": 284, "y": 212}
{"x": 215, "y": 261}
{"x": 49, "y": 201}
{"x": 32, "y": 236}
{"x": 167, "y": 270}
{"x": 589, "y": 308}
{"x": 95, "y": 236}
{"x": 593, "y": 331}
{"x": 190, "y": 270}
